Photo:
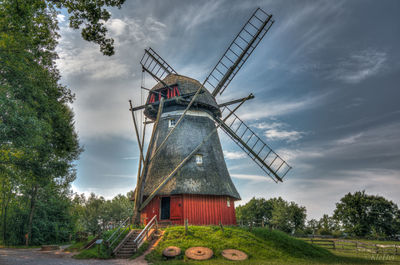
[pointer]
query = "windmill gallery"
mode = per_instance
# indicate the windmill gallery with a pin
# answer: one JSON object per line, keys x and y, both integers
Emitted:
{"x": 183, "y": 174}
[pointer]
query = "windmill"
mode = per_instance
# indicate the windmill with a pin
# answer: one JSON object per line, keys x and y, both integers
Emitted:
{"x": 183, "y": 174}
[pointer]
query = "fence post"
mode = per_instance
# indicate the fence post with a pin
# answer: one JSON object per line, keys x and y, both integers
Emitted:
{"x": 262, "y": 223}
{"x": 186, "y": 226}
{"x": 334, "y": 244}
{"x": 395, "y": 247}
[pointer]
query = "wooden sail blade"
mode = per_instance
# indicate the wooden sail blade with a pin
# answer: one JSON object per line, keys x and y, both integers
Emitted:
{"x": 269, "y": 161}
{"x": 238, "y": 51}
{"x": 155, "y": 65}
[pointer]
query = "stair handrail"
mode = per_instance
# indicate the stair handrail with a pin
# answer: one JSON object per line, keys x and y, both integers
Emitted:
{"x": 139, "y": 239}
{"x": 117, "y": 233}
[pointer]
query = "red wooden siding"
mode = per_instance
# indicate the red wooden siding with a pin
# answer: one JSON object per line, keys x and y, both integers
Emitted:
{"x": 208, "y": 210}
{"x": 198, "y": 209}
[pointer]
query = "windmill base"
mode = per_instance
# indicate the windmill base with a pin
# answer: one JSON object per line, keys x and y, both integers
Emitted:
{"x": 197, "y": 209}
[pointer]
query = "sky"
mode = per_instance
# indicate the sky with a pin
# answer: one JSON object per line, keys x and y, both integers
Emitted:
{"x": 325, "y": 79}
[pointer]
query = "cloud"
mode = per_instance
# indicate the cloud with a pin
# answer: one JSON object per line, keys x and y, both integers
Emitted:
{"x": 234, "y": 155}
{"x": 81, "y": 58}
{"x": 60, "y": 18}
{"x": 196, "y": 15}
{"x": 289, "y": 136}
{"x": 259, "y": 110}
{"x": 275, "y": 131}
{"x": 360, "y": 66}
{"x": 350, "y": 139}
{"x": 131, "y": 158}
{"x": 266, "y": 125}
{"x": 256, "y": 178}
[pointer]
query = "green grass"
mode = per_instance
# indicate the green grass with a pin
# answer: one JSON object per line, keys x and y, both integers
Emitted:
{"x": 141, "y": 250}
{"x": 263, "y": 246}
{"x": 77, "y": 246}
{"x": 95, "y": 252}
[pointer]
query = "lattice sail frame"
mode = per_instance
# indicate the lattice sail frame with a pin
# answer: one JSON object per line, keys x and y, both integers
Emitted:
{"x": 222, "y": 74}
{"x": 238, "y": 51}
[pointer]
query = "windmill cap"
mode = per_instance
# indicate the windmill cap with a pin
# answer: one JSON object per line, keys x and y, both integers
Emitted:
{"x": 185, "y": 85}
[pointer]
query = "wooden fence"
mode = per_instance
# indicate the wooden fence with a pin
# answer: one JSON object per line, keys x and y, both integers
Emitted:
{"x": 355, "y": 246}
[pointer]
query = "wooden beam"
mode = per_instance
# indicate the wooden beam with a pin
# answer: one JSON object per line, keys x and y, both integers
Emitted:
{"x": 251, "y": 96}
{"x": 137, "y": 132}
{"x": 142, "y": 176}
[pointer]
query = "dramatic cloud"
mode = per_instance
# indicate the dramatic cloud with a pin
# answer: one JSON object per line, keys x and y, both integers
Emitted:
{"x": 259, "y": 110}
{"x": 276, "y": 131}
{"x": 360, "y": 66}
{"x": 326, "y": 93}
{"x": 234, "y": 155}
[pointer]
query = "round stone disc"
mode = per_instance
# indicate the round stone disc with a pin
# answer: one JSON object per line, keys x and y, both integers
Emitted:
{"x": 234, "y": 254}
{"x": 199, "y": 253}
{"x": 171, "y": 251}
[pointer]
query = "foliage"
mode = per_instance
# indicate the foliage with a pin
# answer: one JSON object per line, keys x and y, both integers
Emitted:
{"x": 275, "y": 213}
{"x": 78, "y": 245}
{"x": 38, "y": 142}
{"x": 141, "y": 250}
{"x": 262, "y": 245}
{"x": 95, "y": 252}
{"x": 95, "y": 214}
{"x": 92, "y": 15}
{"x": 363, "y": 215}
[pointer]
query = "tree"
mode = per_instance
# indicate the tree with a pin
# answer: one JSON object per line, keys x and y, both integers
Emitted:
{"x": 255, "y": 210}
{"x": 276, "y": 213}
{"x": 38, "y": 142}
{"x": 287, "y": 217}
{"x": 92, "y": 15}
{"x": 364, "y": 215}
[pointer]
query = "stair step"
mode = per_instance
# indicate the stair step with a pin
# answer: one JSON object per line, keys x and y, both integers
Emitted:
{"x": 124, "y": 251}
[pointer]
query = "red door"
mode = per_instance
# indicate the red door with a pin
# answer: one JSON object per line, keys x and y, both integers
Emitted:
{"x": 176, "y": 209}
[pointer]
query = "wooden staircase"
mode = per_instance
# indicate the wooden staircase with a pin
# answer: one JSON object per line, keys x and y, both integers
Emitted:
{"x": 128, "y": 246}
{"x": 133, "y": 240}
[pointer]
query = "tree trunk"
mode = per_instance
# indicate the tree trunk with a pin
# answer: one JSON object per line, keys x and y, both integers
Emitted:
{"x": 5, "y": 216}
{"x": 31, "y": 212}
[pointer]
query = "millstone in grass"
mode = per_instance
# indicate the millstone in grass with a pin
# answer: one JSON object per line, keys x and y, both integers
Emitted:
{"x": 199, "y": 253}
{"x": 171, "y": 251}
{"x": 234, "y": 254}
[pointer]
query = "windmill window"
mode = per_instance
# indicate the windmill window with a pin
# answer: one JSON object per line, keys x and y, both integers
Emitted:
{"x": 228, "y": 202}
{"x": 199, "y": 159}
{"x": 171, "y": 123}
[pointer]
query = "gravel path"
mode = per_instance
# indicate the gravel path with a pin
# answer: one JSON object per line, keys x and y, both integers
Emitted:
{"x": 13, "y": 256}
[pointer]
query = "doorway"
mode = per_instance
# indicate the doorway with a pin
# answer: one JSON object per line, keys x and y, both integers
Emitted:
{"x": 165, "y": 208}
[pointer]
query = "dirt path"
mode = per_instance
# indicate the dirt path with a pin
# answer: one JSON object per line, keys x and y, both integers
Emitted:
{"x": 33, "y": 256}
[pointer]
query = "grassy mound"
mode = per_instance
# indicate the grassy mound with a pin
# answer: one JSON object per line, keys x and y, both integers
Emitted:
{"x": 262, "y": 246}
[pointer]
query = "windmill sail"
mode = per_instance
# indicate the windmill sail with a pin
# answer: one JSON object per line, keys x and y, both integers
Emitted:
{"x": 155, "y": 65}
{"x": 239, "y": 50}
{"x": 269, "y": 161}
